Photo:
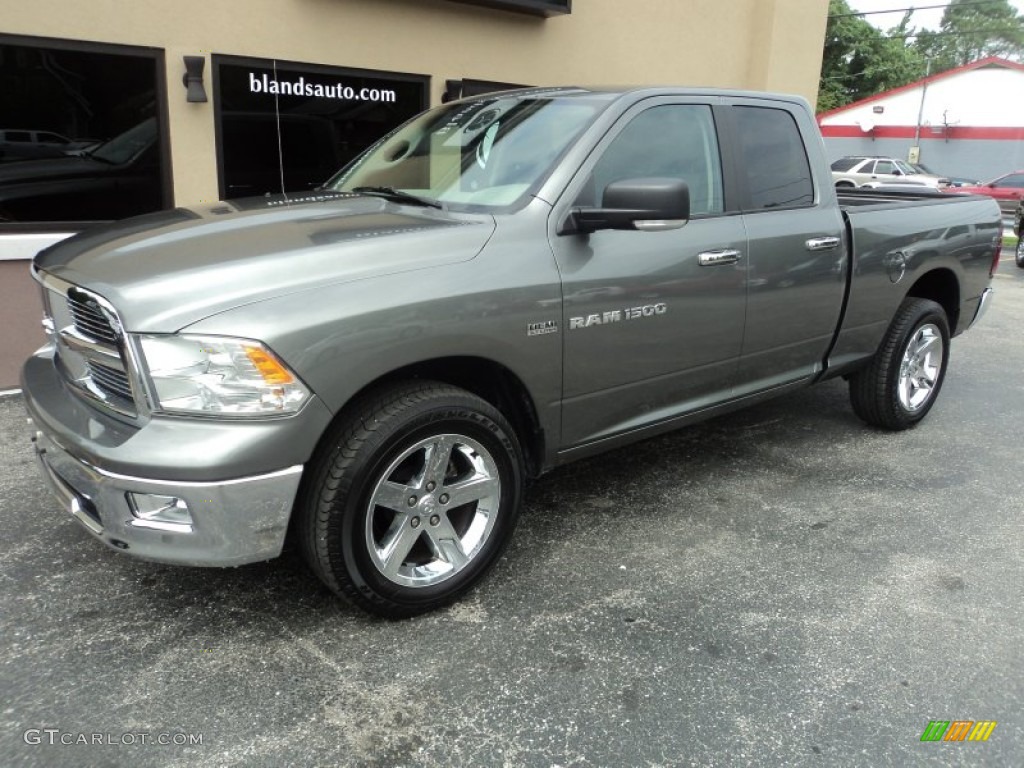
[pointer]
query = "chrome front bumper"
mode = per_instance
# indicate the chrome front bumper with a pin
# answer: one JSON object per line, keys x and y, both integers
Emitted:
{"x": 232, "y": 522}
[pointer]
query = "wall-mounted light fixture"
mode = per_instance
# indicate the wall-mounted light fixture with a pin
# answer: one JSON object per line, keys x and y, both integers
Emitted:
{"x": 193, "y": 78}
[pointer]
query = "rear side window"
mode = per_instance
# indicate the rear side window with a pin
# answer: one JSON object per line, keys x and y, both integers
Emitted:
{"x": 773, "y": 157}
{"x": 845, "y": 163}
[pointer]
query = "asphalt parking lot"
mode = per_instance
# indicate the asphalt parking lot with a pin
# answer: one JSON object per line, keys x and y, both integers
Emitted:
{"x": 782, "y": 586}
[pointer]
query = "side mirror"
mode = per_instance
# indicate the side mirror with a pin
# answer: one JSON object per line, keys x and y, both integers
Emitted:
{"x": 897, "y": 172}
{"x": 648, "y": 205}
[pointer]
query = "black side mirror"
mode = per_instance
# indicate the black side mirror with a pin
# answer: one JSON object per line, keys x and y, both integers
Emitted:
{"x": 648, "y": 205}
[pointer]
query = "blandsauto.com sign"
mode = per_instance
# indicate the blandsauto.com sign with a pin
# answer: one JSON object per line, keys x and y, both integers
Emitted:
{"x": 301, "y": 87}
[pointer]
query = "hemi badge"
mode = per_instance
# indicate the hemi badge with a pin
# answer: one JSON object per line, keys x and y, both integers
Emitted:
{"x": 541, "y": 328}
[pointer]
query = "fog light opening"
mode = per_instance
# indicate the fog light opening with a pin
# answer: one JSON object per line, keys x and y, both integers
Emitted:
{"x": 163, "y": 513}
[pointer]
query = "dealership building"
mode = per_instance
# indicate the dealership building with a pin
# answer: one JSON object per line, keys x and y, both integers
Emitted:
{"x": 112, "y": 109}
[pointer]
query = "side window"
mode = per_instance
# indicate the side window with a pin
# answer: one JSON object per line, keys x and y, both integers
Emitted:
{"x": 1015, "y": 180}
{"x": 771, "y": 153}
{"x": 673, "y": 141}
{"x": 884, "y": 166}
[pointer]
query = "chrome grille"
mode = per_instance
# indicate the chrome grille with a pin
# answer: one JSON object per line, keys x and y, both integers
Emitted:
{"x": 110, "y": 381}
{"x": 91, "y": 351}
{"x": 89, "y": 319}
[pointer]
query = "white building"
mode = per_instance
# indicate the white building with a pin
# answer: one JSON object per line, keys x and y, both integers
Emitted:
{"x": 966, "y": 122}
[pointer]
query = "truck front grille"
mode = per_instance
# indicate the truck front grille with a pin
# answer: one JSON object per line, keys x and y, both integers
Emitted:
{"x": 91, "y": 349}
{"x": 110, "y": 380}
{"x": 89, "y": 319}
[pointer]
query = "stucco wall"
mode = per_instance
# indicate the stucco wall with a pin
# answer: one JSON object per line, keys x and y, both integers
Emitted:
{"x": 757, "y": 44}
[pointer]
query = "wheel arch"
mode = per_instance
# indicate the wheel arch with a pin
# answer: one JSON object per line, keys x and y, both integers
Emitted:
{"x": 942, "y": 287}
{"x": 488, "y": 380}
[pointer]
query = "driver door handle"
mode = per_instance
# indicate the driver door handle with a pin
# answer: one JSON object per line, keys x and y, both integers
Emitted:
{"x": 715, "y": 258}
{"x": 822, "y": 243}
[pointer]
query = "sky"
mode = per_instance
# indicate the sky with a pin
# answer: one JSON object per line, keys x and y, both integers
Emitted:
{"x": 924, "y": 19}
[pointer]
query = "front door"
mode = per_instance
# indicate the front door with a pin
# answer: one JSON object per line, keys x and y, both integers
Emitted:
{"x": 653, "y": 321}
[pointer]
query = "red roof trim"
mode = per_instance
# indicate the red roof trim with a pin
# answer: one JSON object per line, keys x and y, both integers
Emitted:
{"x": 953, "y": 133}
{"x": 986, "y": 62}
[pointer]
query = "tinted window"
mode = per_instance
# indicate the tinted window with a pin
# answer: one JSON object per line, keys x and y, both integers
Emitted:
{"x": 106, "y": 104}
{"x": 1013, "y": 180}
{"x": 845, "y": 163}
{"x": 773, "y": 157}
{"x": 676, "y": 142}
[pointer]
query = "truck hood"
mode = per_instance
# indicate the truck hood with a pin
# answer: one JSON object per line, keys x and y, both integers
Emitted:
{"x": 166, "y": 270}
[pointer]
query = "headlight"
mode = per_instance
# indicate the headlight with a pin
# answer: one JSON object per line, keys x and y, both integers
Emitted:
{"x": 218, "y": 375}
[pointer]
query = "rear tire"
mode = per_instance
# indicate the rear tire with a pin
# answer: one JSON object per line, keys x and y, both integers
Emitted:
{"x": 901, "y": 383}
{"x": 411, "y": 499}
{"x": 1018, "y": 254}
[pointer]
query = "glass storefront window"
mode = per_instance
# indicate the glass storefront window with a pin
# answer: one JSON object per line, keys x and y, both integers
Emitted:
{"x": 288, "y": 127}
{"x": 80, "y": 132}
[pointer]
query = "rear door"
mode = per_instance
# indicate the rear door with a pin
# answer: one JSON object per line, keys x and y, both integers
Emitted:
{"x": 795, "y": 250}
{"x": 652, "y": 324}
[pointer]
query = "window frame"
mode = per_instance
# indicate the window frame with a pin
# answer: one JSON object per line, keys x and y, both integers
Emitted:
{"x": 570, "y": 193}
{"x": 730, "y": 122}
{"x": 218, "y": 59}
{"x": 158, "y": 56}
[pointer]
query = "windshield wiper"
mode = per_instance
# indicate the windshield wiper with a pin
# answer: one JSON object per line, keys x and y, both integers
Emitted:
{"x": 390, "y": 193}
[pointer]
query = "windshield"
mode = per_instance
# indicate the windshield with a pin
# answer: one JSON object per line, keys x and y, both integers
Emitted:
{"x": 904, "y": 168}
{"x": 125, "y": 146}
{"x": 485, "y": 153}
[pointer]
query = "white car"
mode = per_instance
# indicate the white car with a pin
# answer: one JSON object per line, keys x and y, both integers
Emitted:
{"x": 861, "y": 171}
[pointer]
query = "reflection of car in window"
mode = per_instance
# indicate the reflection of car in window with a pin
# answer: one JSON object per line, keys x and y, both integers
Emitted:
{"x": 22, "y": 144}
{"x": 119, "y": 178}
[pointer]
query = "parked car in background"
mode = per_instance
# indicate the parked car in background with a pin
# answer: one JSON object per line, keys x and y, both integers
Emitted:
{"x": 862, "y": 170}
{"x": 954, "y": 181}
{"x": 1018, "y": 252}
{"x": 1008, "y": 190}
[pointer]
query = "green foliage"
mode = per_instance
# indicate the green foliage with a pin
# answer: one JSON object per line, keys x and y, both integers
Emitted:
{"x": 971, "y": 31}
{"x": 860, "y": 60}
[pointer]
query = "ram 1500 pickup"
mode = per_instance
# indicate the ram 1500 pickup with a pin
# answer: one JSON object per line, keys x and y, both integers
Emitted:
{"x": 499, "y": 286}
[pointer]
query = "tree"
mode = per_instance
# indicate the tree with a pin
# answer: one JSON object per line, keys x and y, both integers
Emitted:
{"x": 859, "y": 60}
{"x": 973, "y": 30}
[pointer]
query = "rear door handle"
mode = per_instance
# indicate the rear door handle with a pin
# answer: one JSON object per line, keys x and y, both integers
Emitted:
{"x": 714, "y": 258}
{"x": 822, "y": 243}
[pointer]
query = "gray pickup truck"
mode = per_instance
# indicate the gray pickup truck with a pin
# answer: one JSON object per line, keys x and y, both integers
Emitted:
{"x": 500, "y": 286}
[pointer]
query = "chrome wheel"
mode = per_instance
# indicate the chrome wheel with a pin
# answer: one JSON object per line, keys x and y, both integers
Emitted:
{"x": 432, "y": 510}
{"x": 920, "y": 367}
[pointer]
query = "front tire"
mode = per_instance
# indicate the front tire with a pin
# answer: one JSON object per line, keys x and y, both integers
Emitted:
{"x": 412, "y": 498}
{"x": 1018, "y": 254}
{"x": 901, "y": 383}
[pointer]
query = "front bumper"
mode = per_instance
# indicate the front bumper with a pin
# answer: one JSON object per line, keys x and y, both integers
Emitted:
{"x": 237, "y": 480}
{"x": 231, "y": 522}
